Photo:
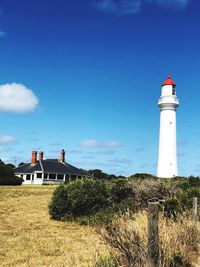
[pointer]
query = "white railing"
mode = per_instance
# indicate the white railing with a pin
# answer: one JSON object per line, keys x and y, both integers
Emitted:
{"x": 168, "y": 99}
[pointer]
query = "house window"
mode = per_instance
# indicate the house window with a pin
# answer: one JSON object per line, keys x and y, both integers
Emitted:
{"x": 39, "y": 175}
{"x": 60, "y": 176}
{"x": 28, "y": 177}
{"x": 79, "y": 177}
{"x": 45, "y": 175}
{"x": 52, "y": 176}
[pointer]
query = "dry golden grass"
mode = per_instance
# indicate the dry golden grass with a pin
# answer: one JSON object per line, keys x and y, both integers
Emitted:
{"x": 178, "y": 242}
{"x": 29, "y": 238}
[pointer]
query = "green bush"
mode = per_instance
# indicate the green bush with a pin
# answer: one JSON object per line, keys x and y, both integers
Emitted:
{"x": 186, "y": 183}
{"x": 172, "y": 207}
{"x": 90, "y": 199}
{"x": 7, "y": 176}
{"x": 142, "y": 176}
{"x": 120, "y": 189}
{"x": 194, "y": 181}
{"x": 146, "y": 189}
{"x": 187, "y": 196}
{"x": 11, "y": 180}
{"x": 78, "y": 198}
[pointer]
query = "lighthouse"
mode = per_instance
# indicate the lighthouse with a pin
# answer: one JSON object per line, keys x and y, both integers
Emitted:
{"x": 167, "y": 156}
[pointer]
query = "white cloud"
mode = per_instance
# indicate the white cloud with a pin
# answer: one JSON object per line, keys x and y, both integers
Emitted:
{"x": 7, "y": 139}
{"x": 17, "y": 98}
{"x": 96, "y": 144}
{"x": 125, "y": 7}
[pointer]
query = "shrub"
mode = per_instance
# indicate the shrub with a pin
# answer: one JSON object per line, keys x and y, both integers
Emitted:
{"x": 187, "y": 196}
{"x": 194, "y": 181}
{"x": 126, "y": 240}
{"x": 178, "y": 242}
{"x": 78, "y": 198}
{"x": 11, "y": 180}
{"x": 60, "y": 205}
{"x": 172, "y": 207}
{"x": 120, "y": 189}
{"x": 7, "y": 176}
{"x": 143, "y": 176}
{"x": 152, "y": 189}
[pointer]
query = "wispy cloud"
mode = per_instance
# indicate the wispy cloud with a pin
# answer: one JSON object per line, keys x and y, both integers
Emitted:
{"x": 143, "y": 165}
{"x": 17, "y": 98}
{"x": 7, "y": 139}
{"x": 119, "y": 7}
{"x": 102, "y": 152}
{"x": 131, "y": 7}
{"x": 183, "y": 143}
{"x": 173, "y": 3}
{"x": 4, "y": 149}
{"x": 140, "y": 149}
{"x": 95, "y": 164}
{"x": 75, "y": 151}
{"x": 121, "y": 161}
{"x": 56, "y": 144}
{"x": 2, "y": 33}
{"x": 88, "y": 157}
{"x": 181, "y": 155}
{"x": 91, "y": 143}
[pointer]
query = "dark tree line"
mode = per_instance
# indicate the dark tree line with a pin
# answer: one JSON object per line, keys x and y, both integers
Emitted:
{"x": 99, "y": 174}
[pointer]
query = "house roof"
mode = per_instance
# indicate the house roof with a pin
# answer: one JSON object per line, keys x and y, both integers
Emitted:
{"x": 50, "y": 166}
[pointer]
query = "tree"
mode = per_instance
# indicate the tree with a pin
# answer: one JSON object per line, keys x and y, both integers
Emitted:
{"x": 7, "y": 176}
{"x": 21, "y": 163}
{"x": 142, "y": 176}
{"x": 98, "y": 174}
{"x": 12, "y": 166}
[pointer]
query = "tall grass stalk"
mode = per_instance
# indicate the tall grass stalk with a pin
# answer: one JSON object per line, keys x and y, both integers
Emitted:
{"x": 178, "y": 242}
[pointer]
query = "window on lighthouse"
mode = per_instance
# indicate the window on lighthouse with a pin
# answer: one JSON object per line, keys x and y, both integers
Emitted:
{"x": 173, "y": 91}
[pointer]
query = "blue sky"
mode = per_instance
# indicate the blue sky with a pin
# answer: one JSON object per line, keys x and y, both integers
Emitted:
{"x": 86, "y": 76}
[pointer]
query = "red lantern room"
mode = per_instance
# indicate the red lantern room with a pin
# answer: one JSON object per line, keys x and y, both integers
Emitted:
{"x": 169, "y": 82}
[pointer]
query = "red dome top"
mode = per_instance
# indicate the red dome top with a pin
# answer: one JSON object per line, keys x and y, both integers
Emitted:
{"x": 169, "y": 81}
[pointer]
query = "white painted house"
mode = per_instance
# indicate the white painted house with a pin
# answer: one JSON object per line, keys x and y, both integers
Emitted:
{"x": 167, "y": 155}
{"x": 46, "y": 170}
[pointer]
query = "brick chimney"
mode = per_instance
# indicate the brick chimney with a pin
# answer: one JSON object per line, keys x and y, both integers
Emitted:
{"x": 34, "y": 157}
{"x": 41, "y": 155}
{"x": 62, "y": 156}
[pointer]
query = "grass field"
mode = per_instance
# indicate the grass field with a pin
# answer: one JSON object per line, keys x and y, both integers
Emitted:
{"x": 29, "y": 238}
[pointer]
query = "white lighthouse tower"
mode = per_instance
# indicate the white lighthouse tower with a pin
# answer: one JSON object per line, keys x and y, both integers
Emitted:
{"x": 168, "y": 103}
